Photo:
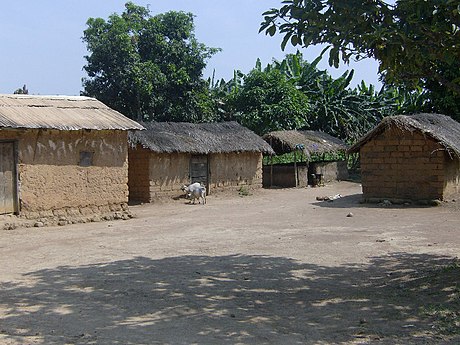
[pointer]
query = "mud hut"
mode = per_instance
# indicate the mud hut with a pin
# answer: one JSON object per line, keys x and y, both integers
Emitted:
{"x": 411, "y": 158}
{"x": 304, "y": 144}
{"x": 168, "y": 155}
{"x": 61, "y": 156}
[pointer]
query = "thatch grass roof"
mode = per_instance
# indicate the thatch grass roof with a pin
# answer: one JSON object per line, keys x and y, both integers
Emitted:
{"x": 441, "y": 128}
{"x": 202, "y": 138}
{"x": 310, "y": 142}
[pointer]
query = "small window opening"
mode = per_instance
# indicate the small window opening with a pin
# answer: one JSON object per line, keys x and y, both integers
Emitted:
{"x": 86, "y": 159}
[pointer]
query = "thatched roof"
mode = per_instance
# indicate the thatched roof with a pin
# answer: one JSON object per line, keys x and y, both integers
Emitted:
{"x": 202, "y": 138}
{"x": 61, "y": 113}
{"x": 441, "y": 128}
{"x": 310, "y": 142}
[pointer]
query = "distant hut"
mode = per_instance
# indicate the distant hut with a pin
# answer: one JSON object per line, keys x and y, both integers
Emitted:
{"x": 62, "y": 156}
{"x": 304, "y": 172}
{"x": 168, "y": 155}
{"x": 411, "y": 158}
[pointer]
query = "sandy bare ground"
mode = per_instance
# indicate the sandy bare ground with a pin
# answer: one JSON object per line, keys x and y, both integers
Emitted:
{"x": 275, "y": 267}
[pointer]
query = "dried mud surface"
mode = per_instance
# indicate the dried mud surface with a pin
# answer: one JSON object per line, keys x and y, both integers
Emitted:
{"x": 273, "y": 267}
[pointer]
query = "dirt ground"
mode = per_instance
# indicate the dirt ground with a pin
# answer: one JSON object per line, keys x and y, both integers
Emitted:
{"x": 274, "y": 267}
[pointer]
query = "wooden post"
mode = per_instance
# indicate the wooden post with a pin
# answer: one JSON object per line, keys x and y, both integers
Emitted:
{"x": 271, "y": 164}
{"x": 295, "y": 168}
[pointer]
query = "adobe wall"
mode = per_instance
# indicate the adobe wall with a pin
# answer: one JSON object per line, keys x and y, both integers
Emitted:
{"x": 139, "y": 174}
{"x": 402, "y": 165}
{"x": 331, "y": 171}
{"x": 231, "y": 171}
{"x": 168, "y": 173}
{"x": 51, "y": 182}
{"x": 284, "y": 175}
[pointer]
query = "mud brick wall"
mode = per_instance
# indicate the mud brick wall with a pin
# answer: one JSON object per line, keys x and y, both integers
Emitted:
{"x": 139, "y": 176}
{"x": 50, "y": 175}
{"x": 284, "y": 175}
{"x": 153, "y": 176}
{"x": 402, "y": 165}
{"x": 168, "y": 173}
{"x": 231, "y": 171}
{"x": 331, "y": 171}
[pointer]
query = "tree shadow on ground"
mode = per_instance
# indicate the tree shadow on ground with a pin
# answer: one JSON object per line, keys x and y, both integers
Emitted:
{"x": 242, "y": 299}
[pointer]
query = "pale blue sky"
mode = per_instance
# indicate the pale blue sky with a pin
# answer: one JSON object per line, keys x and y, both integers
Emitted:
{"x": 41, "y": 42}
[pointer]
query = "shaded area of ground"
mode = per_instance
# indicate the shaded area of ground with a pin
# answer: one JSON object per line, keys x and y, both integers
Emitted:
{"x": 244, "y": 299}
{"x": 273, "y": 267}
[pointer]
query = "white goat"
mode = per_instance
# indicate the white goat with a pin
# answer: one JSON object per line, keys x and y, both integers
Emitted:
{"x": 195, "y": 191}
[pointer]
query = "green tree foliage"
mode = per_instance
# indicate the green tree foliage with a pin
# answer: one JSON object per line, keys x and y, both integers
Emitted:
{"x": 148, "y": 67}
{"x": 268, "y": 101}
{"x": 295, "y": 94}
{"x": 417, "y": 42}
{"x": 21, "y": 91}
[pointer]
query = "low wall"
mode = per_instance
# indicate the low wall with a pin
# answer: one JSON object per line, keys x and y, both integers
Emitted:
{"x": 284, "y": 175}
{"x": 330, "y": 171}
{"x": 231, "y": 171}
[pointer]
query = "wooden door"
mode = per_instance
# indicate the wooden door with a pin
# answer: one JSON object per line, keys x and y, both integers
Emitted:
{"x": 199, "y": 169}
{"x": 7, "y": 178}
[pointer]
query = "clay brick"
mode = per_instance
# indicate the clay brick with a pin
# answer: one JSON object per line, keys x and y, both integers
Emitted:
{"x": 436, "y": 178}
{"x": 418, "y": 142}
{"x": 421, "y": 160}
{"x": 391, "y": 148}
{"x": 371, "y": 184}
{"x": 396, "y": 154}
{"x": 377, "y": 149}
{"x": 366, "y": 148}
{"x": 409, "y": 154}
{"x": 370, "y": 155}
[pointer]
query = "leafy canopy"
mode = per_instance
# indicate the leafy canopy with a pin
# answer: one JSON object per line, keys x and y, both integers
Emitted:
{"x": 268, "y": 101}
{"x": 148, "y": 67}
{"x": 416, "y": 42}
{"x": 295, "y": 94}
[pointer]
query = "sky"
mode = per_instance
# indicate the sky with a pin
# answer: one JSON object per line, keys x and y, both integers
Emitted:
{"x": 41, "y": 43}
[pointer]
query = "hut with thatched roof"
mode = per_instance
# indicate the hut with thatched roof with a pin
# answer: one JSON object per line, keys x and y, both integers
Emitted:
{"x": 62, "y": 156}
{"x": 411, "y": 158}
{"x": 167, "y": 155}
{"x": 304, "y": 144}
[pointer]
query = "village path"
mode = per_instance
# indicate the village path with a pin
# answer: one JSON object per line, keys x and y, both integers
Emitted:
{"x": 274, "y": 267}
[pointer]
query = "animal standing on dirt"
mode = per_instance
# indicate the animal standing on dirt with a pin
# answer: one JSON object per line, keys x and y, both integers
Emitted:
{"x": 195, "y": 191}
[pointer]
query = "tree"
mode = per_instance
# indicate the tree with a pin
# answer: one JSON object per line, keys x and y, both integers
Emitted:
{"x": 21, "y": 91}
{"x": 148, "y": 67}
{"x": 417, "y": 42}
{"x": 295, "y": 94}
{"x": 268, "y": 101}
